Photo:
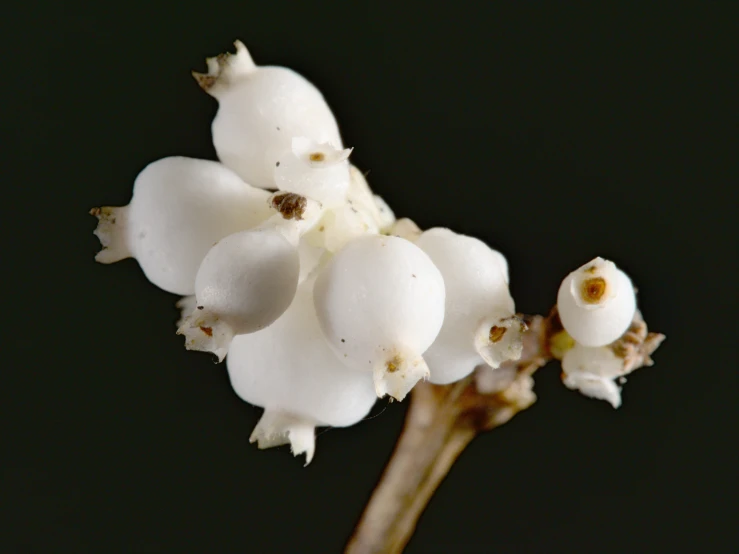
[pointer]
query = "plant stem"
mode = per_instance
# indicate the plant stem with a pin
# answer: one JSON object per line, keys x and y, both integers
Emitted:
{"x": 426, "y": 450}
{"x": 441, "y": 422}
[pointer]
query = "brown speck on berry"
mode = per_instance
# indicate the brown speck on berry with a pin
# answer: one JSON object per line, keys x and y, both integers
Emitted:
{"x": 393, "y": 365}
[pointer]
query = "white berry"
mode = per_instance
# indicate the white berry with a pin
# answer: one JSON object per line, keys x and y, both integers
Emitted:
{"x": 380, "y": 303}
{"x": 479, "y": 323}
{"x": 260, "y": 110}
{"x": 290, "y": 370}
{"x": 180, "y": 207}
{"x": 596, "y": 303}
{"x": 248, "y": 279}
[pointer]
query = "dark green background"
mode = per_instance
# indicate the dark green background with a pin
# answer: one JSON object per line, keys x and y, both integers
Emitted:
{"x": 554, "y": 131}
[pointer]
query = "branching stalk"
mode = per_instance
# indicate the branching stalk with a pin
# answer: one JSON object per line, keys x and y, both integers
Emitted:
{"x": 443, "y": 420}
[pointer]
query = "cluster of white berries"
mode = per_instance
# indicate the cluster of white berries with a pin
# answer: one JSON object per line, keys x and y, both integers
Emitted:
{"x": 303, "y": 280}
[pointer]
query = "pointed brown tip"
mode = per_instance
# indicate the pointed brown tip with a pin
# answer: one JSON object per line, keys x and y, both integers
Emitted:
{"x": 205, "y": 81}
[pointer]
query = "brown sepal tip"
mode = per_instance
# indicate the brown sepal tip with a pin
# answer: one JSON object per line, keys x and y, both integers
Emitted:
{"x": 290, "y": 205}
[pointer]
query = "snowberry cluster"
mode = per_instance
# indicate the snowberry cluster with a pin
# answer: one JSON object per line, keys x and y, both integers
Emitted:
{"x": 303, "y": 280}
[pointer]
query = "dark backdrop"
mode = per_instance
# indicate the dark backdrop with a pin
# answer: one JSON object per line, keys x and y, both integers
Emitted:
{"x": 555, "y": 132}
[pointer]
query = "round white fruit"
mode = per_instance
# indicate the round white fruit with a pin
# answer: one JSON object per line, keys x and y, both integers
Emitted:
{"x": 596, "y": 303}
{"x": 289, "y": 367}
{"x": 180, "y": 207}
{"x": 258, "y": 115}
{"x": 379, "y": 297}
{"x": 249, "y": 279}
{"x": 475, "y": 278}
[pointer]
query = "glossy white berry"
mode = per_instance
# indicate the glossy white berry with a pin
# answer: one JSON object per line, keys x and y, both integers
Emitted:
{"x": 596, "y": 303}
{"x": 479, "y": 323}
{"x": 248, "y": 279}
{"x": 380, "y": 303}
{"x": 310, "y": 256}
{"x": 318, "y": 171}
{"x": 180, "y": 207}
{"x": 289, "y": 369}
{"x": 260, "y": 110}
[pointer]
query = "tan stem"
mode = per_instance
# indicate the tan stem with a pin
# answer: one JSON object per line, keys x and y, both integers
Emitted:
{"x": 430, "y": 443}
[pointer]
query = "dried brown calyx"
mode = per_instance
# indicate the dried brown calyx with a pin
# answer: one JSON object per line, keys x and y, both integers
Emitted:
{"x": 496, "y": 333}
{"x": 290, "y": 205}
{"x": 636, "y": 345}
{"x": 593, "y": 289}
{"x": 224, "y": 69}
